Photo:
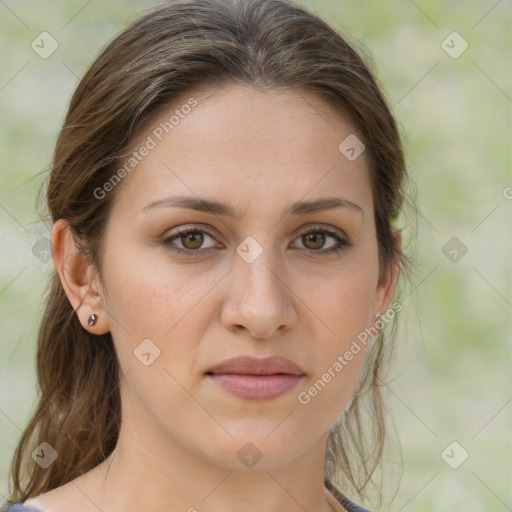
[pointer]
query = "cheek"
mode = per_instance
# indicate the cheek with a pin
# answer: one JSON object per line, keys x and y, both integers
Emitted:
{"x": 342, "y": 303}
{"x": 344, "y": 308}
{"x": 156, "y": 320}
{"x": 153, "y": 298}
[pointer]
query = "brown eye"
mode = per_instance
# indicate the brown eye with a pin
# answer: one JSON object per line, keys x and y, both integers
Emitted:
{"x": 189, "y": 240}
{"x": 321, "y": 241}
{"x": 314, "y": 240}
{"x": 192, "y": 240}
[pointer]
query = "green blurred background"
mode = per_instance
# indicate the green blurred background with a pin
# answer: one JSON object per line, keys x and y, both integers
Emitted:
{"x": 451, "y": 379}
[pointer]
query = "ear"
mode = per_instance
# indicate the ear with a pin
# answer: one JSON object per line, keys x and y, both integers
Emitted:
{"x": 78, "y": 278}
{"x": 387, "y": 282}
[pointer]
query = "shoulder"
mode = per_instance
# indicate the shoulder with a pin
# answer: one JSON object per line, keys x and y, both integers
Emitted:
{"x": 348, "y": 505}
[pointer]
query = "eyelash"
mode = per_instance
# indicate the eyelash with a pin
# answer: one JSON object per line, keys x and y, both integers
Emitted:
{"x": 343, "y": 244}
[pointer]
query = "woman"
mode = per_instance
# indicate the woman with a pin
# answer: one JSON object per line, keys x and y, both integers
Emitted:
{"x": 222, "y": 195}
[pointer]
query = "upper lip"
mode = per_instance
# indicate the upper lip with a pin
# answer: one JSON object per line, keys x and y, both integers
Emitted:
{"x": 249, "y": 365}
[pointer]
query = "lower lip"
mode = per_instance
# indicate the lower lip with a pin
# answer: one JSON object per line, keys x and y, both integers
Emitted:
{"x": 256, "y": 387}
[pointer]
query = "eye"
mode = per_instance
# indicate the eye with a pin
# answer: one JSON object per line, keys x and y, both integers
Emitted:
{"x": 191, "y": 239}
{"x": 314, "y": 239}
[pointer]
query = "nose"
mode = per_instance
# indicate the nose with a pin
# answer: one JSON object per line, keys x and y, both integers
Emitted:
{"x": 259, "y": 299}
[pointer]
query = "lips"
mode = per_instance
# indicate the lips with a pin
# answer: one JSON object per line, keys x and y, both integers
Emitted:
{"x": 256, "y": 379}
{"x": 247, "y": 365}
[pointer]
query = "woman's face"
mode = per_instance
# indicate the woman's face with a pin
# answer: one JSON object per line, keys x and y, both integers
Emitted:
{"x": 249, "y": 280}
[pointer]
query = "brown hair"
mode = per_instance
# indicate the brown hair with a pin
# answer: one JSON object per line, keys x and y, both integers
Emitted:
{"x": 267, "y": 44}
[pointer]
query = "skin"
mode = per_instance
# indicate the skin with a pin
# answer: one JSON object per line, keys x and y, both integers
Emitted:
{"x": 259, "y": 152}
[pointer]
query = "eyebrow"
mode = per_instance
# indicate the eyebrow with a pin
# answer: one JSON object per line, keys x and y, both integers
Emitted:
{"x": 219, "y": 208}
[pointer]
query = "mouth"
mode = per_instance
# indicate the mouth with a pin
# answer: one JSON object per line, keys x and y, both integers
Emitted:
{"x": 256, "y": 379}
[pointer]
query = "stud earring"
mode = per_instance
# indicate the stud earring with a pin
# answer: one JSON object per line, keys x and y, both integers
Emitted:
{"x": 92, "y": 319}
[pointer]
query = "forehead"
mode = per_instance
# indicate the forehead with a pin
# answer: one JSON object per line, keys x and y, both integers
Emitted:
{"x": 249, "y": 147}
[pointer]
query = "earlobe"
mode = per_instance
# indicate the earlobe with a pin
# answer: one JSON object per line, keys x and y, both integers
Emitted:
{"x": 76, "y": 274}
